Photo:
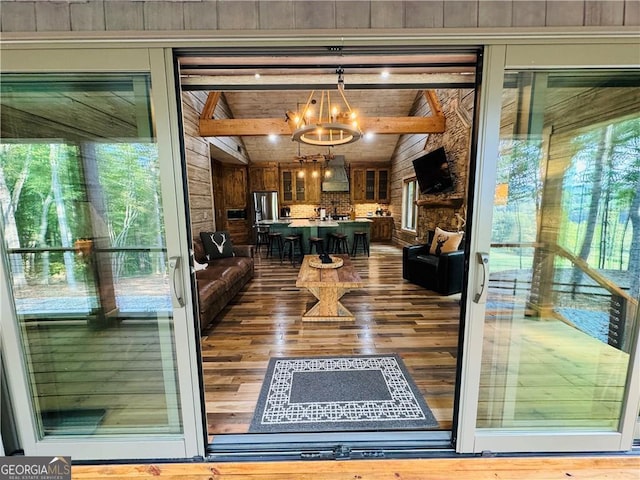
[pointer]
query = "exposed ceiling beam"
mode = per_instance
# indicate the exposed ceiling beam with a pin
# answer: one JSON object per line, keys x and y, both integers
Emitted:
{"x": 402, "y": 125}
{"x": 210, "y": 127}
{"x": 434, "y": 103}
{"x": 243, "y": 126}
{"x": 210, "y": 106}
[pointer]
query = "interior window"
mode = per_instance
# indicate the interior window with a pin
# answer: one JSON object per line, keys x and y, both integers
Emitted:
{"x": 409, "y": 207}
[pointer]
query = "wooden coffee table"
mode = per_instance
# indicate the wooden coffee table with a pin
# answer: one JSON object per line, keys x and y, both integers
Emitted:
{"x": 328, "y": 285}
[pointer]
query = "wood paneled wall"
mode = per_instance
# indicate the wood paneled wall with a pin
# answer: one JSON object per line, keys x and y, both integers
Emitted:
{"x": 176, "y": 15}
{"x": 457, "y": 106}
{"x": 199, "y": 173}
{"x": 199, "y": 154}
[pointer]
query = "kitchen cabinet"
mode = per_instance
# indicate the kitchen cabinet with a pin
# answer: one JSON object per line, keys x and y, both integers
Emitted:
{"x": 299, "y": 185}
{"x": 381, "y": 229}
{"x": 357, "y": 185}
{"x": 369, "y": 184}
{"x": 382, "y": 185}
{"x": 230, "y": 195}
{"x": 313, "y": 184}
{"x": 234, "y": 187}
{"x": 263, "y": 178}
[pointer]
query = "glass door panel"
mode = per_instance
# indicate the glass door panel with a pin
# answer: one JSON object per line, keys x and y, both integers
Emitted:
{"x": 560, "y": 321}
{"x": 84, "y": 236}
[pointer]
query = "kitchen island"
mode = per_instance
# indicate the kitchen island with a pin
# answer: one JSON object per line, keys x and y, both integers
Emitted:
{"x": 318, "y": 228}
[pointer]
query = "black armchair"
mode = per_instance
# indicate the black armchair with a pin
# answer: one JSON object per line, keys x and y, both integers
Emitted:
{"x": 440, "y": 273}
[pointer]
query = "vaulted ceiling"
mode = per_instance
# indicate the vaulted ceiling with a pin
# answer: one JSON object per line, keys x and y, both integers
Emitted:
{"x": 268, "y": 88}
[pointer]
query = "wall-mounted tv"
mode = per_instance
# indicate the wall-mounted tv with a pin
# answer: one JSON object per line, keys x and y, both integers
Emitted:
{"x": 432, "y": 172}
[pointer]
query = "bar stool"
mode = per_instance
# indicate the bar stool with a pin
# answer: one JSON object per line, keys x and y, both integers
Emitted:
{"x": 289, "y": 249}
{"x": 262, "y": 238}
{"x": 340, "y": 243}
{"x": 318, "y": 243}
{"x": 275, "y": 240}
{"x": 360, "y": 238}
{"x": 330, "y": 242}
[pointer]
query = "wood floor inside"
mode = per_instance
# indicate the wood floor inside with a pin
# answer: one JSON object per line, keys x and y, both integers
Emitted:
{"x": 264, "y": 320}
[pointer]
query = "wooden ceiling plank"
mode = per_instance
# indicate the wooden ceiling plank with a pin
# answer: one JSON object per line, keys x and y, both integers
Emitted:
{"x": 210, "y": 106}
{"x": 278, "y": 126}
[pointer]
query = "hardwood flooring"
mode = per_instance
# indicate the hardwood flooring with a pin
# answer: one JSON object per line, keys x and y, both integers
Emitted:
{"x": 265, "y": 320}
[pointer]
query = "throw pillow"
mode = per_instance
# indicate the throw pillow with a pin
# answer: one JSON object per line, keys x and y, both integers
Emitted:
{"x": 217, "y": 244}
{"x": 444, "y": 242}
{"x": 199, "y": 266}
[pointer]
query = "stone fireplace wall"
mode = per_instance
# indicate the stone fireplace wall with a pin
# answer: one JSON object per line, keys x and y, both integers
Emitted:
{"x": 457, "y": 106}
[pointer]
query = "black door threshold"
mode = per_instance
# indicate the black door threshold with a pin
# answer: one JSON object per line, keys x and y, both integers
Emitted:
{"x": 329, "y": 446}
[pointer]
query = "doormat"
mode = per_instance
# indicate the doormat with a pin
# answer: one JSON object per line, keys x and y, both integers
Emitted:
{"x": 74, "y": 421}
{"x": 373, "y": 392}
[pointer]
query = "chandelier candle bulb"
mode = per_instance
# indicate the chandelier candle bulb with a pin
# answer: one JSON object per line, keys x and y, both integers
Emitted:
{"x": 332, "y": 126}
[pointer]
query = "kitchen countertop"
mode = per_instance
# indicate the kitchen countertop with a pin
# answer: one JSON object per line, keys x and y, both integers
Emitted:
{"x": 315, "y": 223}
{"x": 305, "y": 222}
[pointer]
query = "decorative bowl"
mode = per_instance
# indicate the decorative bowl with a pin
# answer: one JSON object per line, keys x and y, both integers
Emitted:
{"x": 336, "y": 262}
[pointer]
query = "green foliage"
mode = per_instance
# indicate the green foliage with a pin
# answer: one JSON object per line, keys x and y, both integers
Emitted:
{"x": 519, "y": 167}
{"x": 128, "y": 185}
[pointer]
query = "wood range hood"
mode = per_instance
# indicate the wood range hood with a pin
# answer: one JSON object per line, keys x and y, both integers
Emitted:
{"x": 335, "y": 177}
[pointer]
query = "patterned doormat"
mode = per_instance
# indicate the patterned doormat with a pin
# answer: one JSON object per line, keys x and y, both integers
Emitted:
{"x": 373, "y": 392}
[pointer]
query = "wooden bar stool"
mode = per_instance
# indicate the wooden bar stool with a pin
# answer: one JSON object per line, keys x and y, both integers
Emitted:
{"x": 275, "y": 240}
{"x": 262, "y": 238}
{"x": 291, "y": 242}
{"x": 340, "y": 243}
{"x": 318, "y": 243}
{"x": 360, "y": 238}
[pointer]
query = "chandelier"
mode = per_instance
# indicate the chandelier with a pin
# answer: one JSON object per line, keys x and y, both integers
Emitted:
{"x": 334, "y": 124}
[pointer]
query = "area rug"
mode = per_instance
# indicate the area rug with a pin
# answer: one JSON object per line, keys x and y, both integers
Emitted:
{"x": 74, "y": 421}
{"x": 372, "y": 392}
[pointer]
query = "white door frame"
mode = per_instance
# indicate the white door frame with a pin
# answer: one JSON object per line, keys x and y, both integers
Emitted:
{"x": 192, "y": 442}
{"x": 497, "y": 59}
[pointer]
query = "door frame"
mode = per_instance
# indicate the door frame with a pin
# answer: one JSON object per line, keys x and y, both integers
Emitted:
{"x": 69, "y": 54}
{"x": 498, "y": 59}
{"x": 191, "y": 442}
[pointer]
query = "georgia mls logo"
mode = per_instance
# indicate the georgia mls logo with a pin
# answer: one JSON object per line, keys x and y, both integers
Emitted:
{"x": 35, "y": 468}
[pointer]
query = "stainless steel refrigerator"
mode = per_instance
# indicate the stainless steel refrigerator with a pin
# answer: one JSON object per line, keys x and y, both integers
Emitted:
{"x": 265, "y": 206}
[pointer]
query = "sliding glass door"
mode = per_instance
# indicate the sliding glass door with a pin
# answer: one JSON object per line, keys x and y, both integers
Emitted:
{"x": 558, "y": 284}
{"x": 95, "y": 297}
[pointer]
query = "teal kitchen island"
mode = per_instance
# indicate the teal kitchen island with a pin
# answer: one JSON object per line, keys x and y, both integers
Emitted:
{"x": 318, "y": 228}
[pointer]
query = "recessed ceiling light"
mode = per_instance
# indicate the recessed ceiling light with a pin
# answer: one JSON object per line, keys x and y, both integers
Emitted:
{"x": 257, "y": 75}
{"x": 385, "y": 74}
{"x": 273, "y": 137}
{"x": 369, "y": 135}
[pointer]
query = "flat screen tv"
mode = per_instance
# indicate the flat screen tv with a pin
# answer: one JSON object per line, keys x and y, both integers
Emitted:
{"x": 432, "y": 172}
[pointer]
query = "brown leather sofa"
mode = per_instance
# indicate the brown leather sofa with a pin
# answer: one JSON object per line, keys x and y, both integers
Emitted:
{"x": 221, "y": 280}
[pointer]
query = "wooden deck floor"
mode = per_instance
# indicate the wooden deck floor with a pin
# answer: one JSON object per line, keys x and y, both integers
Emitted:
{"x": 538, "y": 468}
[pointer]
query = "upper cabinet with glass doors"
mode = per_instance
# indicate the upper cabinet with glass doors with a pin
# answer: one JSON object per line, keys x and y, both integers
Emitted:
{"x": 369, "y": 183}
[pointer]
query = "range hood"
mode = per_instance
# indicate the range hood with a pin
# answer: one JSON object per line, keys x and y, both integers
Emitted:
{"x": 335, "y": 176}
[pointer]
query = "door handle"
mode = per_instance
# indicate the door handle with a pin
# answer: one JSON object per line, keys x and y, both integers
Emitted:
{"x": 481, "y": 287}
{"x": 177, "y": 285}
